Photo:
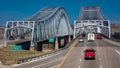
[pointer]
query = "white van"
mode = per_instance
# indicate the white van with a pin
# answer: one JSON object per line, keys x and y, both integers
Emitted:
{"x": 91, "y": 37}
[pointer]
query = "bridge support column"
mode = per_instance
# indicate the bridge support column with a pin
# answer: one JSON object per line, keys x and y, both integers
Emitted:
{"x": 69, "y": 39}
{"x": 39, "y": 46}
{"x": 56, "y": 44}
{"x": 65, "y": 40}
{"x": 33, "y": 47}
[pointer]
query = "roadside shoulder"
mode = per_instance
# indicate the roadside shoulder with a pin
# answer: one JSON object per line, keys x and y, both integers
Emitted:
{"x": 112, "y": 41}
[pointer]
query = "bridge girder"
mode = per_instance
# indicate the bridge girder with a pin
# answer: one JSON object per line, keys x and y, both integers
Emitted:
{"x": 49, "y": 22}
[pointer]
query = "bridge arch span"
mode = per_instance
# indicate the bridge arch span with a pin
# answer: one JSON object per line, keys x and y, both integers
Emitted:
{"x": 49, "y": 22}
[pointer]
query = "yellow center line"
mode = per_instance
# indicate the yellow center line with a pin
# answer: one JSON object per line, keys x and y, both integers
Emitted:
{"x": 64, "y": 58}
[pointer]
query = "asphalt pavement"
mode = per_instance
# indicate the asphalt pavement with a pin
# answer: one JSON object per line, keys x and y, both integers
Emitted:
{"x": 107, "y": 56}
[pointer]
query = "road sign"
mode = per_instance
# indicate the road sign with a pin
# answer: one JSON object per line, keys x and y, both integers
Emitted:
{"x": 51, "y": 40}
{"x": 16, "y": 47}
{"x": 89, "y": 32}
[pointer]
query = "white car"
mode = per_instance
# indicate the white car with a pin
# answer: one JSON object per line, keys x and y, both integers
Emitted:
{"x": 81, "y": 40}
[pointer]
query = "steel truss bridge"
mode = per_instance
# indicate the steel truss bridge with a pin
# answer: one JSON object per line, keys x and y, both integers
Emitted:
{"x": 91, "y": 19}
{"x": 49, "y": 22}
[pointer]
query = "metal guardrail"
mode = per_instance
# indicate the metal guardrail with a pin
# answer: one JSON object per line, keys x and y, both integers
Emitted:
{"x": 44, "y": 55}
{"x": 39, "y": 56}
{"x": 34, "y": 57}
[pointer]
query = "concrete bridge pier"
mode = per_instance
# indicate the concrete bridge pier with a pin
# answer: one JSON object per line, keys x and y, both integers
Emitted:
{"x": 36, "y": 46}
{"x": 56, "y": 45}
{"x": 33, "y": 46}
{"x": 62, "y": 42}
{"x": 39, "y": 46}
{"x": 69, "y": 39}
{"x": 59, "y": 42}
{"x": 66, "y": 40}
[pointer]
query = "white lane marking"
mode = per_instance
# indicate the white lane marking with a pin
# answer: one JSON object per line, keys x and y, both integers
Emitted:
{"x": 100, "y": 66}
{"x": 117, "y": 51}
{"x": 80, "y": 60}
{"x": 36, "y": 60}
{"x": 79, "y": 66}
{"x": 54, "y": 66}
{"x": 47, "y": 63}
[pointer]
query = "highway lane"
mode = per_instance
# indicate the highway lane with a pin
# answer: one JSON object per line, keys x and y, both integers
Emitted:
{"x": 107, "y": 56}
{"x": 91, "y": 63}
{"x": 43, "y": 63}
{"x": 77, "y": 59}
{"x": 74, "y": 57}
{"x": 50, "y": 62}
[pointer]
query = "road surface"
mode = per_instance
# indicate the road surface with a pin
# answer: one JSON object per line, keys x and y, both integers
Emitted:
{"x": 45, "y": 62}
{"x": 107, "y": 56}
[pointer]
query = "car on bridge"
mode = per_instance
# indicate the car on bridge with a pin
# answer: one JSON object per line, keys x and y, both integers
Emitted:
{"x": 99, "y": 36}
{"x": 89, "y": 54}
{"x": 81, "y": 39}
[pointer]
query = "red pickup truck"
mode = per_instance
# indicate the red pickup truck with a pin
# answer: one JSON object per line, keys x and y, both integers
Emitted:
{"x": 89, "y": 54}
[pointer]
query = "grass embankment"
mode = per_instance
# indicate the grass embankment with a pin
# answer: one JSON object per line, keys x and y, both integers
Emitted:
{"x": 8, "y": 56}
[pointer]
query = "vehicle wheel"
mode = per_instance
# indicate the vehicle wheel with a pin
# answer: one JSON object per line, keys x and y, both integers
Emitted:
{"x": 85, "y": 58}
{"x": 94, "y": 58}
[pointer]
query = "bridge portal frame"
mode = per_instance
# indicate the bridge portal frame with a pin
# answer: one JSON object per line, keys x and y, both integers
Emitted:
{"x": 103, "y": 25}
{"x": 19, "y": 26}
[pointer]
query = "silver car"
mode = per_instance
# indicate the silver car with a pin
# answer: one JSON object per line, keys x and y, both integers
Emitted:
{"x": 81, "y": 40}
